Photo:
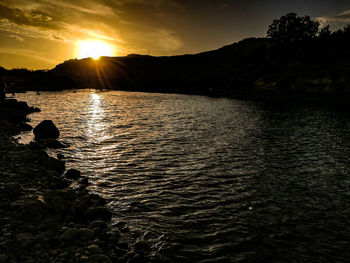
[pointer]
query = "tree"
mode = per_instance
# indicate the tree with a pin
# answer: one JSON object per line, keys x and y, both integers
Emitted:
{"x": 292, "y": 28}
{"x": 324, "y": 32}
{"x": 2, "y": 90}
{"x": 346, "y": 30}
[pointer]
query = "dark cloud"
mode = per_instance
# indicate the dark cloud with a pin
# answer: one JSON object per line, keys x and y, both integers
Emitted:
{"x": 26, "y": 18}
{"x": 344, "y": 16}
{"x": 336, "y": 21}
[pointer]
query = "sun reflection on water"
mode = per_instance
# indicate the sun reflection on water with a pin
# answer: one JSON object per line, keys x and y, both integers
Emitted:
{"x": 95, "y": 131}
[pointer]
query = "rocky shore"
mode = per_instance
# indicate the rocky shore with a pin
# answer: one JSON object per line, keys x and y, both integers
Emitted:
{"x": 43, "y": 218}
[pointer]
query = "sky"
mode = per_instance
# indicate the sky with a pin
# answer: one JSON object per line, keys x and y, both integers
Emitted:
{"x": 39, "y": 34}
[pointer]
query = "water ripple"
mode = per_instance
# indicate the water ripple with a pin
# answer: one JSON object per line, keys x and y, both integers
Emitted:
{"x": 212, "y": 180}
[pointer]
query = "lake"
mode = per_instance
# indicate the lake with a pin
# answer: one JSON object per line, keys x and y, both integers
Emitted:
{"x": 204, "y": 179}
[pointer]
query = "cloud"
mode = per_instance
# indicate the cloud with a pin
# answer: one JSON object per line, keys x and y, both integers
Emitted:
{"x": 337, "y": 21}
{"x": 167, "y": 40}
{"x": 131, "y": 26}
{"x": 25, "y": 18}
{"x": 27, "y": 53}
{"x": 27, "y": 31}
{"x": 17, "y": 37}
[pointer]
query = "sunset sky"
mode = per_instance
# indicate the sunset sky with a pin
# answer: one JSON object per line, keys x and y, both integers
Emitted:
{"x": 38, "y": 34}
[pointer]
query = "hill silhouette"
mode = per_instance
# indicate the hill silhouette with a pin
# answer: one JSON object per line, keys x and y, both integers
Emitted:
{"x": 316, "y": 66}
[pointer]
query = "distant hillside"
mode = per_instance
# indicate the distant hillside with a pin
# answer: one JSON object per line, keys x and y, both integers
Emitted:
{"x": 251, "y": 67}
{"x": 218, "y": 71}
{"x": 309, "y": 63}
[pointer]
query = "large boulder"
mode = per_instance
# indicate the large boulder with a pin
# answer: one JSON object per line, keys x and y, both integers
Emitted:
{"x": 46, "y": 130}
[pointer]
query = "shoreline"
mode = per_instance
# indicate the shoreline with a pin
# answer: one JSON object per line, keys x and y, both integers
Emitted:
{"x": 43, "y": 218}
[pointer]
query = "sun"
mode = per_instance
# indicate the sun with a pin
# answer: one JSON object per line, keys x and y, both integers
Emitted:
{"x": 94, "y": 49}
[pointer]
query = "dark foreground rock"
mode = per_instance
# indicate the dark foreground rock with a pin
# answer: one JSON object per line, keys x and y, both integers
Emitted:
{"x": 46, "y": 130}
{"x": 73, "y": 174}
{"x": 42, "y": 219}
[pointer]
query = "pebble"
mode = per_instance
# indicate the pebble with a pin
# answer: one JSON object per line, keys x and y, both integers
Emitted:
{"x": 3, "y": 258}
{"x": 98, "y": 224}
{"x": 99, "y": 258}
{"x": 98, "y": 212}
{"x": 60, "y": 156}
{"x": 24, "y": 239}
{"x": 85, "y": 234}
{"x": 69, "y": 234}
{"x": 94, "y": 249}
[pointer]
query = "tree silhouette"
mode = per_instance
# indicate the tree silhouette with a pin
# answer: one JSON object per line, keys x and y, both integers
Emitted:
{"x": 292, "y": 28}
{"x": 324, "y": 32}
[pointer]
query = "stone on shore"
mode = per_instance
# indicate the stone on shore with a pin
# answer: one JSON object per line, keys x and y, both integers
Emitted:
{"x": 54, "y": 144}
{"x": 69, "y": 235}
{"x": 99, "y": 212}
{"x": 99, "y": 258}
{"x": 85, "y": 234}
{"x": 55, "y": 164}
{"x": 73, "y": 174}
{"x": 94, "y": 249}
{"x": 46, "y": 130}
{"x": 60, "y": 156}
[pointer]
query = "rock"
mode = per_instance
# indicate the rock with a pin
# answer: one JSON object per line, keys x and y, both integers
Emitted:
{"x": 69, "y": 235}
{"x": 3, "y": 258}
{"x": 13, "y": 189}
{"x": 53, "y": 143}
{"x": 98, "y": 224}
{"x": 14, "y": 104}
{"x": 84, "y": 181}
{"x": 99, "y": 212}
{"x": 40, "y": 153}
{"x": 141, "y": 246}
{"x": 58, "y": 205}
{"x": 49, "y": 223}
{"x": 137, "y": 258}
{"x": 24, "y": 239}
{"x": 25, "y": 127}
{"x": 22, "y": 105}
{"x": 73, "y": 174}
{"x": 99, "y": 258}
{"x": 85, "y": 234}
{"x": 36, "y": 209}
{"x": 121, "y": 225}
{"x": 60, "y": 156}
{"x": 56, "y": 182}
{"x": 18, "y": 204}
{"x": 8, "y": 103}
{"x": 97, "y": 200}
{"x": 94, "y": 249}
{"x": 55, "y": 164}
{"x": 46, "y": 129}
{"x": 123, "y": 245}
{"x": 82, "y": 203}
{"x": 34, "y": 109}
{"x": 67, "y": 194}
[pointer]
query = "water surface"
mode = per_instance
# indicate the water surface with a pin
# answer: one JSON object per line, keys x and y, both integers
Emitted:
{"x": 211, "y": 179}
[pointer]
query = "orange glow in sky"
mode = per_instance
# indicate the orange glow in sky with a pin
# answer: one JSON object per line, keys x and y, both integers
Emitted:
{"x": 39, "y": 34}
{"x": 94, "y": 49}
